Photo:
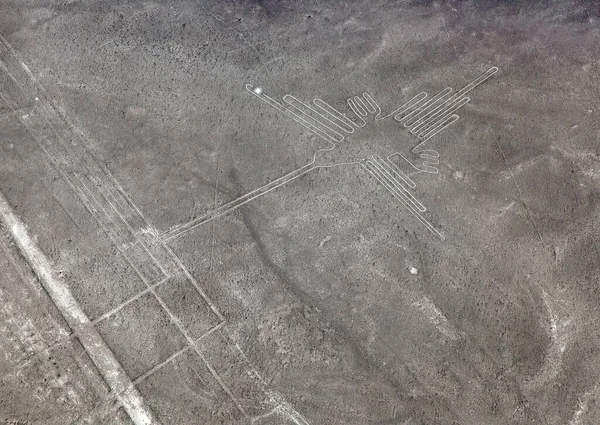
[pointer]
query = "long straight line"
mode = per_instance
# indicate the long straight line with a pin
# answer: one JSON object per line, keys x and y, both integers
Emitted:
{"x": 238, "y": 202}
{"x": 105, "y": 361}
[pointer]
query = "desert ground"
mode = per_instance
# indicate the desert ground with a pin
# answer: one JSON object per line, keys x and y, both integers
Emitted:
{"x": 299, "y": 212}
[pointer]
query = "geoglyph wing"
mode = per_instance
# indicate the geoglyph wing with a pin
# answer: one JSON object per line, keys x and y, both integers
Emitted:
{"x": 422, "y": 116}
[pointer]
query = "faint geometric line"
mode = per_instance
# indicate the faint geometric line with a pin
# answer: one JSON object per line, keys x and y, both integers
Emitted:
{"x": 160, "y": 365}
{"x": 124, "y": 304}
{"x": 520, "y": 193}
